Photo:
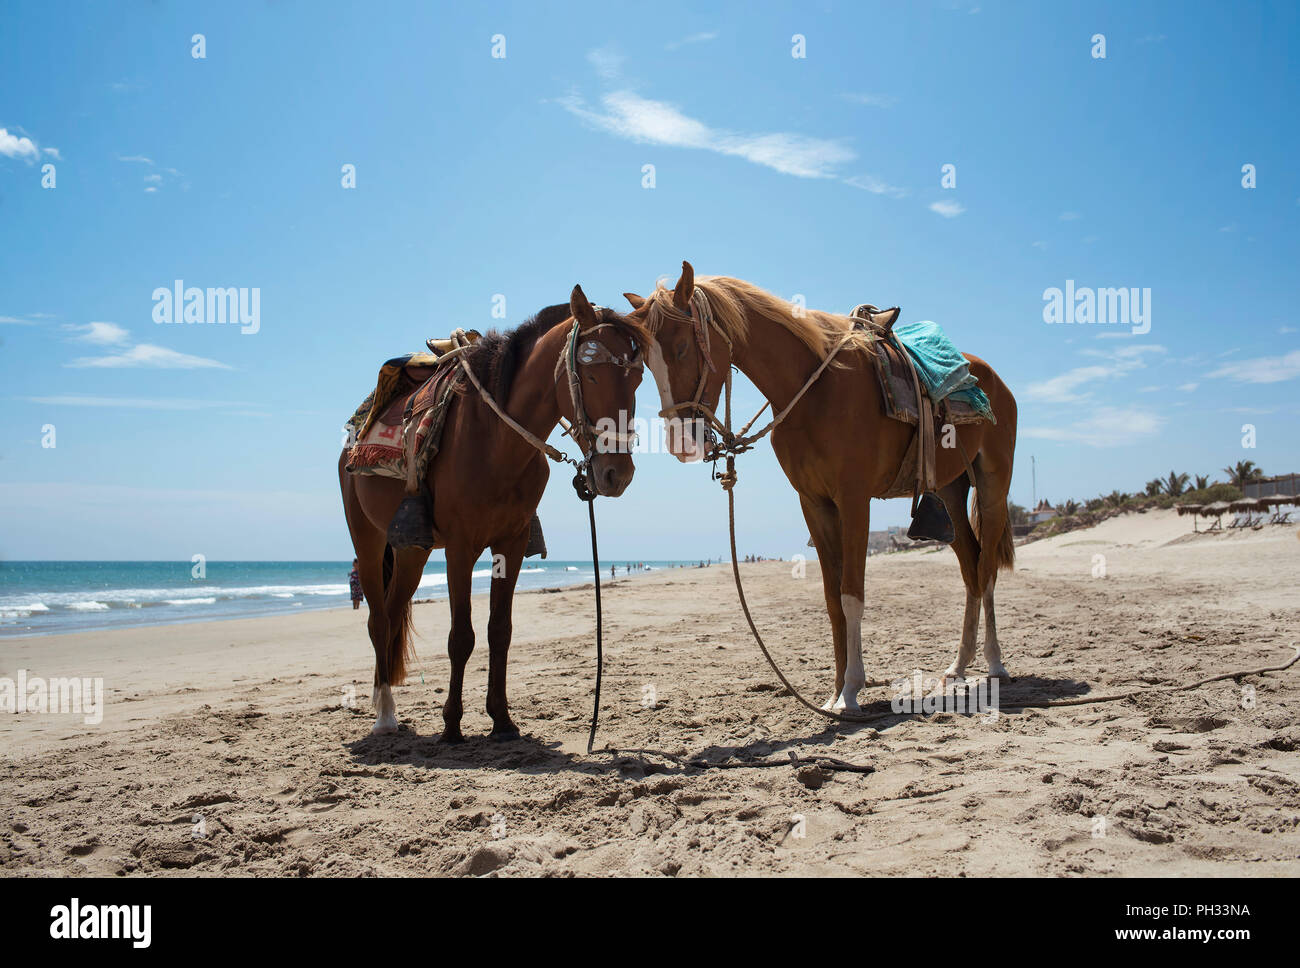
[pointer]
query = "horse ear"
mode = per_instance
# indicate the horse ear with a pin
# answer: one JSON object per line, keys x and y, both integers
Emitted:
{"x": 580, "y": 309}
{"x": 636, "y": 301}
{"x": 685, "y": 287}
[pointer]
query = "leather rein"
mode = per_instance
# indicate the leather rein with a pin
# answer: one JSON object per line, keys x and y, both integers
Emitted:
{"x": 593, "y": 352}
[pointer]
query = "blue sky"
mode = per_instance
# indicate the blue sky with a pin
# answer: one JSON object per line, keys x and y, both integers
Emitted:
{"x": 817, "y": 175}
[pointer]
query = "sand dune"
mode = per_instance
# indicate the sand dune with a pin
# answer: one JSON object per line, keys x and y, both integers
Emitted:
{"x": 236, "y": 747}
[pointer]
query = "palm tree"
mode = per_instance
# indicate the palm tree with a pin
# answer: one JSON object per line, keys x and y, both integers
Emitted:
{"x": 1070, "y": 507}
{"x": 1244, "y": 473}
{"x": 1174, "y": 484}
{"x": 1202, "y": 481}
{"x": 1155, "y": 486}
{"x": 1115, "y": 499}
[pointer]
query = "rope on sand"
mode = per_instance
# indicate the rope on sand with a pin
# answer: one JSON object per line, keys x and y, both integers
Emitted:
{"x": 837, "y": 765}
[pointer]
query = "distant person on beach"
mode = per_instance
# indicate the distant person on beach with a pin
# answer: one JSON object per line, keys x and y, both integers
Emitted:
{"x": 612, "y": 572}
{"x": 354, "y": 584}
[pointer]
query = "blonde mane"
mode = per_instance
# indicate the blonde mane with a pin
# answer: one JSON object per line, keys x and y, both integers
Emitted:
{"x": 729, "y": 299}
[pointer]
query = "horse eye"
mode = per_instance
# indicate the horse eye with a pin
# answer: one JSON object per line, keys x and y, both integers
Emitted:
{"x": 681, "y": 350}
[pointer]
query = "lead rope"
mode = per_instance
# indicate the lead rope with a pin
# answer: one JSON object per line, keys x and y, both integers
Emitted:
{"x": 600, "y": 653}
{"x": 580, "y": 484}
{"x": 728, "y": 481}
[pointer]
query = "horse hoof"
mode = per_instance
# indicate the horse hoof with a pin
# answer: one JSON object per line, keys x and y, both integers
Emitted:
{"x": 384, "y": 729}
{"x": 503, "y": 735}
{"x": 452, "y": 737}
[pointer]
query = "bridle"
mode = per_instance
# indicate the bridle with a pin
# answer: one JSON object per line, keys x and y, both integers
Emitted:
{"x": 583, "y": 349}
{"x": 700, "y": 313}
{"x": 591, "y": 353}
{"x": 722, "y": 441}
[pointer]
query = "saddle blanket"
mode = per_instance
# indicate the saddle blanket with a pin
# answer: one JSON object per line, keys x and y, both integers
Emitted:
{"x": 397, "y": 429}
{"x": 944, "y": 375}
{"x": 943, "y": 372}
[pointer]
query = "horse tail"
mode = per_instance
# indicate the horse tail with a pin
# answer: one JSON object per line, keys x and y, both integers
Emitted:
{"x": 400, "y": 646}
{"x": 1002, "y": 547}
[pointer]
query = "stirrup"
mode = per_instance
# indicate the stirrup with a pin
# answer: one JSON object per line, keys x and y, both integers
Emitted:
{"x": 536, "y": 543}
{"x": 931, "y": 521}
{"x": 412, "y": 525}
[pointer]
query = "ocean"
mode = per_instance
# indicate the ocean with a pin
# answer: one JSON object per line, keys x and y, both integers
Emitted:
{"x": 45, "y": 597}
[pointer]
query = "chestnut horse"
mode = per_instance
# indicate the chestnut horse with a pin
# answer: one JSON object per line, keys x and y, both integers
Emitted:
{"x": 486, "y": 482}
{"x": 836, "y": 445}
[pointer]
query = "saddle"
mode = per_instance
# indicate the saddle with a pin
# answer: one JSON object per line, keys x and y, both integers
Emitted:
{"x": 397, "y": 429}
{"x": 397, "y": 432}
{"x": 906, "y": 400}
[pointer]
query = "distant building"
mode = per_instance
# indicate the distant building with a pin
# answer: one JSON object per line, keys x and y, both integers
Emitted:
{"x": 1044, "y": 512}
{"x": 1280, "y": 484}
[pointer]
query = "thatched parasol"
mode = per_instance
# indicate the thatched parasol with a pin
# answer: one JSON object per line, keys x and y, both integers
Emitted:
{"x": 1216, "y": 510}
{"x": 1192, "y": 509}
{"x": 1278, "y": 500}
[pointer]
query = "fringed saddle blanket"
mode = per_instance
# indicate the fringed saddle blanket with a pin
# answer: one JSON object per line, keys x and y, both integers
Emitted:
{"x": 397, "y": 430}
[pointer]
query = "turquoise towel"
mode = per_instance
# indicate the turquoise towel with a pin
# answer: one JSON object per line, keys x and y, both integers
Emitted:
{"x": 943, "y": 370}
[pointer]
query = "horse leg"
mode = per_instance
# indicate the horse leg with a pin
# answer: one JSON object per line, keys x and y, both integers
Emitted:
{"x": 997, "y": 551}
{"x": 370, "y": 544}
{"x": 855, "y": 525}
{"x": 992, "y": 651}
{"x": 460, "y": 640}
{"x": 407, "y": 569}
{"x": 967, "y": 549}
{"x": 506, "y": 559}
{"x": 824, "y": 526}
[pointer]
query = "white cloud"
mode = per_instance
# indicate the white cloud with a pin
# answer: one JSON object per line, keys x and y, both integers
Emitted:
{"x": 1040, "y": 244}
{"x": 1069, "y": 216}
{"x": 18, "y": 146}
{"x": 153, "y": 180}
{"x": 871, "y": 100}
{"x": 628, "y": 115}
{"x": 1104, "y": 427}
{"x": 948, "y": 209}
{"x": 101, "y": 334}
{"x": 1262, "y": 369}
{"x": 147, "y": 355}
{"x": 607, "y": 62}
{"x": 877, "y": 186}
{"x": 1286, "y": 329}
{"x": 1188, "y": 387}
{"x": 700, "y": 38}
{"x": 1061, "y": 389}
{"x": 17, "y": 321}
{"x": 1118, "y": 362}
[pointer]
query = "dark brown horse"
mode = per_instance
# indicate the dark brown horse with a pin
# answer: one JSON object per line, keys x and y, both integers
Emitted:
{"x": 837, "y": 446}
{"x": 486, "y": 482}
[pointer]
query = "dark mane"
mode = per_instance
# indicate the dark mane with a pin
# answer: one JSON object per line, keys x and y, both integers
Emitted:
{"x": 496, "y": 356}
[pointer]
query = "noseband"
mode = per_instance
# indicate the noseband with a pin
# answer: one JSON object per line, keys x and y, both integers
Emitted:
{"x": 583, "y": 349}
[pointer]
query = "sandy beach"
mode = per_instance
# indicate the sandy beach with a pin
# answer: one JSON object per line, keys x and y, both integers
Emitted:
{"x": 242, "y": 747}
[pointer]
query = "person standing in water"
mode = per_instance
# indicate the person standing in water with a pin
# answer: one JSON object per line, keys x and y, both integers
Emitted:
{"x": 354, "y": 585}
